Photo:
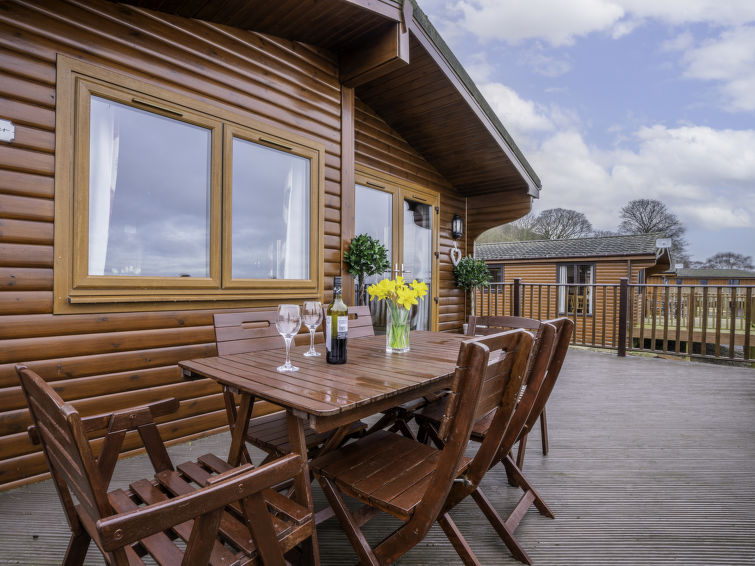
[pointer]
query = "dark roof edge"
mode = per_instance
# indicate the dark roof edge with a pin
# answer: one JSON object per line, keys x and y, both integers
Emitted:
{"x": 656, "y": 234}
{"x": 422, "y": 19}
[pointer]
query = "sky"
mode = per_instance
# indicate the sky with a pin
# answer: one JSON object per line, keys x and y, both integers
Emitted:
{"x": 614, "y": 100}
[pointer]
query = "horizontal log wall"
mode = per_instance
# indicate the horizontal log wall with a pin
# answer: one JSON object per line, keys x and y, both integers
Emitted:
{"x": 380, "y": 147}
{"x": 111, "y": 361}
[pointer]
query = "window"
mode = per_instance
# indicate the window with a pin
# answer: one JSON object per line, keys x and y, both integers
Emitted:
{"x": 575, "y": 290}
{"x": 678, "y": 280}
{"x": 733, "y": 281}
{"x": 496, "y": 270}
{"x": 170, "y": 200}
{"x": 703, "y": 281}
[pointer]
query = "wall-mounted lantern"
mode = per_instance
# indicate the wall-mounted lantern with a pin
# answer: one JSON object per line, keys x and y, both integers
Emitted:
{"x": 457, "y": 227}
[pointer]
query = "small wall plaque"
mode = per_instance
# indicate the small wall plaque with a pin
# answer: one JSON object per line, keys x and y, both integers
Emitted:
{"x": 7, "y": 131}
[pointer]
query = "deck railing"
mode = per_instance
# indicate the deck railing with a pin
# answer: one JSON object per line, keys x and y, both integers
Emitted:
{"x": 688, "y": 320}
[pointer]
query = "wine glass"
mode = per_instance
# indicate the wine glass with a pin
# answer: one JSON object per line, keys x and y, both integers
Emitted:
{"x": 311, "y": 314}
{"x": 288, "y": 324}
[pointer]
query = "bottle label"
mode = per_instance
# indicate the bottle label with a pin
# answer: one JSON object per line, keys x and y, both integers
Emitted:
{"x": 343, "y": 326}
{"x": 341, "y": 331}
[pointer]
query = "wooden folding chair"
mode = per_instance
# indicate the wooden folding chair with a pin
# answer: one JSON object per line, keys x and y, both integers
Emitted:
{"x": 251, "y": 331}
{"x": 543, "y": 369}
{"x": 415, "y": 482}
{"x": 222, "y": 515}
{"x": 485, "y": 325}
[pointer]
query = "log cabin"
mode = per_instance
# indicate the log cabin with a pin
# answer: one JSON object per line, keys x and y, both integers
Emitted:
{"x": 705, "y": 276}
{"x": 577, "y": 277}
{"x": 163, "y": 161}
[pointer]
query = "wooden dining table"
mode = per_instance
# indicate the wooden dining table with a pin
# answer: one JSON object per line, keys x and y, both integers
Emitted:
{"x": 326, "y": 396}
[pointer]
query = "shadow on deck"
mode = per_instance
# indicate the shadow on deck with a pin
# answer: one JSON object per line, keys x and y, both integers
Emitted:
{"x": 652, "y": 462}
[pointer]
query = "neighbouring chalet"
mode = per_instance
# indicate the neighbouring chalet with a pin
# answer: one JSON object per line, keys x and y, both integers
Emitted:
{"x": 604, "y": 259}
{"x": 576, "y": 278}
{"x": 705, "y": 276}
{"x": 172, "y": 159}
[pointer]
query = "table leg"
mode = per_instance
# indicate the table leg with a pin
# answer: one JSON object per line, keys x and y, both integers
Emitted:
{"x": 238, "y": 430}
{"x": 302, "y": 488}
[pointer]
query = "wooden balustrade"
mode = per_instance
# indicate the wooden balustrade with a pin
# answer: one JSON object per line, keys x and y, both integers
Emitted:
{"x": 688, "y": 320}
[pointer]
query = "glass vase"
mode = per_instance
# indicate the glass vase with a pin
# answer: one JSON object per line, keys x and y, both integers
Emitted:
{"x": 397, "y": 330}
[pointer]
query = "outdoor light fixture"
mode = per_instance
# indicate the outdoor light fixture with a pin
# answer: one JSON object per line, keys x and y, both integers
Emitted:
{"x": 457, "y": 227}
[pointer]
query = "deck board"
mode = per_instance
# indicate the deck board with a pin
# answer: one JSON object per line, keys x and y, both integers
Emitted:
{"x": 651, "y": 461}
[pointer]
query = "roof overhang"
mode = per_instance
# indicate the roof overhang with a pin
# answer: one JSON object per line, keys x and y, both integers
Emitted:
{"x": 403, "y": 70}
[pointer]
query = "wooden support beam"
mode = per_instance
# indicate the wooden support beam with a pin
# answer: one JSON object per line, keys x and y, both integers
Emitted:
{"x": 387, "y": 53}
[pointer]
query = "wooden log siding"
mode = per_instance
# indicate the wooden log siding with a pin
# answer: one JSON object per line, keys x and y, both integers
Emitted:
{"x": 104, "y": 361}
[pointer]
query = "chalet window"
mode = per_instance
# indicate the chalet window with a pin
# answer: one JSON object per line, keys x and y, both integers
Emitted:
{"x": 575, "y": 294}
{"x": 679, "y": 281}
{"x": 496, "y": 270}
{"x": 733, "y": 281}
{"x": 173, "y": 200}
{"x": 703, "y": 281}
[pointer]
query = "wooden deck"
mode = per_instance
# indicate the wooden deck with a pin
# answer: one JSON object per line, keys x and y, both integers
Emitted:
{"x": 652, "y": 462}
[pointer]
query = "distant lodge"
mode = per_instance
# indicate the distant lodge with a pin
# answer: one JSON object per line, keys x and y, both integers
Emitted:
{"x": 705, "y": 276}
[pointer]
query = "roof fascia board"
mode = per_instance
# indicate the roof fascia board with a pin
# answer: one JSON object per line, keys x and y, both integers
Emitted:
{"x": 386, "y": 8}
{"x": 440, "y": 53}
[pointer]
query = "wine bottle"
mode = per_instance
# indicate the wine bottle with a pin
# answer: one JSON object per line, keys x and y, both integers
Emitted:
{"x": 336, "y": 327}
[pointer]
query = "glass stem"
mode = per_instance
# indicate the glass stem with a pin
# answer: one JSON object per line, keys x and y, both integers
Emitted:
{"x": 311, "y": 339}
{"x": 288, "y": 350}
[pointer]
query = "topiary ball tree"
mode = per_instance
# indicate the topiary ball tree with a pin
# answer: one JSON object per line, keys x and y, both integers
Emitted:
{"x": 365, "y": 256}
{"x": 471, "y": 273}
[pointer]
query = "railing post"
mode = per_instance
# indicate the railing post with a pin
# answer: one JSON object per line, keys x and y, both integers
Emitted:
{"x": 517, "y": 300}
{"x": 623, "y": 302}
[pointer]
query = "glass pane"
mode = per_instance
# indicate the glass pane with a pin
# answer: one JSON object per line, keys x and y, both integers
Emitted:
{"x": 149, "y": 191}
{"x": 418, "y": 249}
{"x": 373, "y": 215}
{"x": 270, "y": 216}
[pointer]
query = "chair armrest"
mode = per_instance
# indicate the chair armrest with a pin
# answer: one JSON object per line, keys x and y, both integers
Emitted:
{"x": 128, "y": 419}
{"x": 126, "y": 528}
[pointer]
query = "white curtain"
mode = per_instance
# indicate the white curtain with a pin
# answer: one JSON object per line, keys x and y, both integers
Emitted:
{"x": 104, "y": 141}
{"x": 562, "y": 289}
{"x": 590, "y": 279}
{"x": 296, "y": 249}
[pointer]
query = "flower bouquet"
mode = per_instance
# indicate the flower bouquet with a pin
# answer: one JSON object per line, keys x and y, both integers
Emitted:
{"x": 399, "y": 297}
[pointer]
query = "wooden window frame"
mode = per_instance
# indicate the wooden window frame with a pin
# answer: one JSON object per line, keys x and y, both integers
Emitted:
{"x": 75, "y": 291}
{"x": 591, "y": 305}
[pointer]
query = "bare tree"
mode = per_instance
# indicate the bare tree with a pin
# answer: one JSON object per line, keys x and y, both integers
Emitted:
{"x": 645, "y": 216}
{"x": 729, "y": 260}
{"x": 512, "y": 232}
{"x": 561, "y": 223}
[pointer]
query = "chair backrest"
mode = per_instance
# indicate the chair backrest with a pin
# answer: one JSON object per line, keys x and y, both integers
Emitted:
{"x": 564, "y": 328}
{"x": 252, "y": 331}
{"x": 59, "y": 428}
{"x": 489, "y": 373}
{"x": 486, "y": 325}
{"x": 360, "y": 322}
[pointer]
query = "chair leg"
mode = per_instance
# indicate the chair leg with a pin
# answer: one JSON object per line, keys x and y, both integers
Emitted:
{"x": 77, "y": 548}
{"x": 544, "y": 431}
{"x": 503, "y": 530}
{"x": 387, "y": 418}
{"x": 527, "y": 487}
{"x": 401, "y": 426}
{"x": 520, "y": 452}
{"x": 458, "y": 541}
{"x": 360, "y": 544}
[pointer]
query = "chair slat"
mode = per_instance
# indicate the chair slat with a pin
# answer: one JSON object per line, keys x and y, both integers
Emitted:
{"x": 159, "y": 545}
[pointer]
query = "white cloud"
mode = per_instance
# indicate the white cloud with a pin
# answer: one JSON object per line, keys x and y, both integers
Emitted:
{"x": 560, "y": 23}
{"x": 521, "y": 117}
{"x": 705, "y": 176}
{"x": 729, "y": 59}
{"x": 554, "y": 21}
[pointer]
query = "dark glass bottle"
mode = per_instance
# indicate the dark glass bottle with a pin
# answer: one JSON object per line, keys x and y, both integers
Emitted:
{"x": 336, "y": 327}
